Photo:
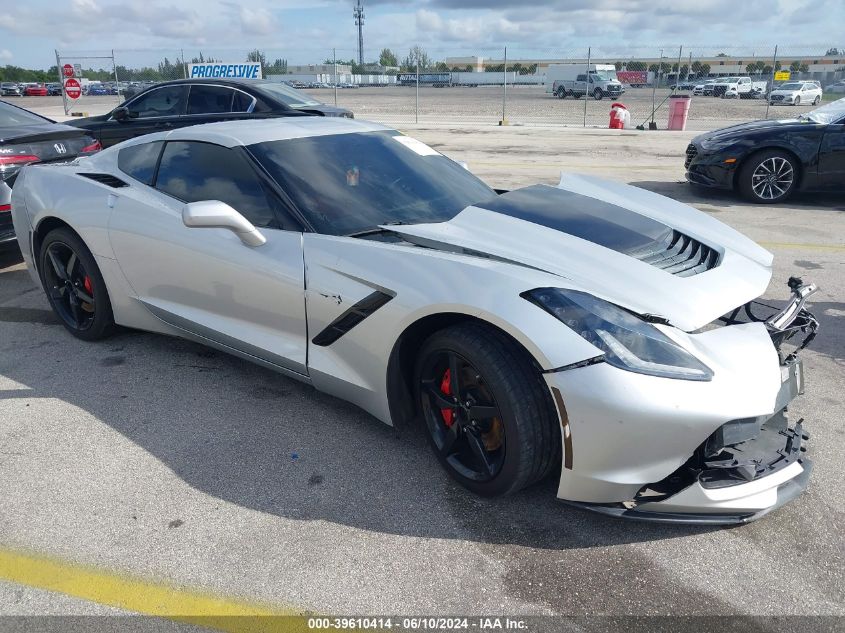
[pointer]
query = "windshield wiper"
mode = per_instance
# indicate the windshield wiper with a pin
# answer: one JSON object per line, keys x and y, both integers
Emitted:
{"x": 377, "y": 229}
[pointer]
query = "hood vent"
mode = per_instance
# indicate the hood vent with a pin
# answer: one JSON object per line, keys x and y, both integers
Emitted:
{"x": 608, "y": 225}
{"x": 679, "y": 255}
{"x": 106, "y": 179}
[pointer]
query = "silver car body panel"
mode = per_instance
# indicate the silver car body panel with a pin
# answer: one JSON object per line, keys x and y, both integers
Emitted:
{"x": 267, "y": 304}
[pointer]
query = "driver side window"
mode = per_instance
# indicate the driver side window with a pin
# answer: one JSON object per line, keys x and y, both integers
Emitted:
{"x": 193, "y": 171}
{"x": 167, "y": 101}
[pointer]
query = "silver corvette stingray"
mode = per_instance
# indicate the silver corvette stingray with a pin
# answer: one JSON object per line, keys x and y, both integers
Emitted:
{"x": 593, "y": 329}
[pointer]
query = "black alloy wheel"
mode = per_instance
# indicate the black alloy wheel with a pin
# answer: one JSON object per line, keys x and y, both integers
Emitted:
{"x": 74, "y": 286}
{"x": 462, "y": 416}
{"x": 488, "y": 413}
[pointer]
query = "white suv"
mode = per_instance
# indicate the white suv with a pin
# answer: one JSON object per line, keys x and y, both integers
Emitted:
{"x": 796, "y": 93}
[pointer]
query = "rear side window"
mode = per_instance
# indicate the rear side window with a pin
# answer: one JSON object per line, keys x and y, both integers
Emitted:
{"x": 242, "y": 102}
{"x": 139, "y": 161}
{"x": 210, "y": 100}
{"x": 193, "y": 171}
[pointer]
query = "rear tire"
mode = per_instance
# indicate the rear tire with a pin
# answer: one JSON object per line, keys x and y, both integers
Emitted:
{"x": 561, "y": 93}
{"x": 74, "y": 286}
{"x": 768, "y": 177}
{"x": 492, "y": 423}
{"x": 598, "y": 95}
{"x": 816, "y": 100}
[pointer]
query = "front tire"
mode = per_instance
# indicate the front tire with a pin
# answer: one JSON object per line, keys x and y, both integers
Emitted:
{"x": 74, "y": 286}
{"x": 598, "y": 95}
{"x": 797, "y": 101}
{"x": 487, "y": 412}
{"x": 768, "y": 177}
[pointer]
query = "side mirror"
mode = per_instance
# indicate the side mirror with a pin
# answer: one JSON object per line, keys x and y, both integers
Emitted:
{"x": 219, "y": 215}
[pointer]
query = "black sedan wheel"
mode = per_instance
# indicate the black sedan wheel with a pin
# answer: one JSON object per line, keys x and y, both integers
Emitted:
{"x": 74, "y": 285}
{"x": 768, "y": 176}
{"x": 488, "y": 414}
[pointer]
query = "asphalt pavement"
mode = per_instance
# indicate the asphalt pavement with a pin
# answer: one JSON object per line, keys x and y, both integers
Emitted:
{"x": 160, "y": 459}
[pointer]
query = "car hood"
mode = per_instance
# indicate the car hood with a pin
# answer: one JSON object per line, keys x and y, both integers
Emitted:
{"x": 752, "y": 126}
{"x": 785, "y": 92}
{"x": 593, "y": 233}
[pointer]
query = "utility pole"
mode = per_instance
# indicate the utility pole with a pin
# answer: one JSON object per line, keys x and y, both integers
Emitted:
{"x": 358, "y": 14}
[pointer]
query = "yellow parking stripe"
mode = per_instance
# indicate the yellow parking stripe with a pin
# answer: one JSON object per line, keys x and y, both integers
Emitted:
{"x": 817, "y": 247}
{"x": 143, "y": 596}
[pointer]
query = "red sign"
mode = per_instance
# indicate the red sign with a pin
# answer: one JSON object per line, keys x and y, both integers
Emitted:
{"x": 72, "y": 89}
{"x": 67, "y": 70}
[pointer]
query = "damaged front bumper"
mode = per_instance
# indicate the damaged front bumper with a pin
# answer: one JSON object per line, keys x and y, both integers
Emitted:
{"x": 740, "y": 471}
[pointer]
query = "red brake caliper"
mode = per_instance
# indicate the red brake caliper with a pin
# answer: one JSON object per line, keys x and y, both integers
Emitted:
{"x": 446, "y": 388}
{"x": 86, "y": 283}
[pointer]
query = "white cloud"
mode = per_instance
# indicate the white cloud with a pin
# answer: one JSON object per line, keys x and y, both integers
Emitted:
{"x": 5, "y": 53}
{"x": 257, "y": 21}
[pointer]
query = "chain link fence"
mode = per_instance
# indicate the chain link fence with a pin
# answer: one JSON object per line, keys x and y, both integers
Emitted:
{"x": 507, "y": 85}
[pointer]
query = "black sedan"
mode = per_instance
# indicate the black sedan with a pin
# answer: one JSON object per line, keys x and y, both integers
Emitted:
{"x": 26, "y": 137}
{"x": 174, "y": 104}
{"x": 766, "y": 161}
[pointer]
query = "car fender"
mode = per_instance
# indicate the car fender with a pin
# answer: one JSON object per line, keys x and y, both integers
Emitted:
{"x": 420, "y": 282}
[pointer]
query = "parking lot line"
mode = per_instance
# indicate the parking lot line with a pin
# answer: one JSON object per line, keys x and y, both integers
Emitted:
{"x": 145, "y": 596}
{"x": 817, "y": 247}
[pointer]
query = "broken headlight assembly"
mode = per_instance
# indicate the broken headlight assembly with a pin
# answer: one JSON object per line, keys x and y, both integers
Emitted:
{"x": 628, "y": 342}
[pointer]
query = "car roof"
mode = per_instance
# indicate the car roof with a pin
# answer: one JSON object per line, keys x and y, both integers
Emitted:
{"x": 227, "y": 81}
{"x": 251, "y": 131}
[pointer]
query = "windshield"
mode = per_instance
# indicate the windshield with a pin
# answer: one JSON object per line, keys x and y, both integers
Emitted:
{"x": 346, "y": 183}
{"x": 789, "y": 87}
{"x": 289, "y": 96}
{"x": 11, "y": 116}
{"x": 605, "y": 75}
{"x": 828, "y": 113}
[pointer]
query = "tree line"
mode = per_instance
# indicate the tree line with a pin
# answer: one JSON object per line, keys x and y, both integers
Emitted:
{"x": 416, "y": 57}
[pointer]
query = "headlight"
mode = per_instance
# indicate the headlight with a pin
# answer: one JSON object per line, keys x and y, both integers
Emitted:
{"x": 709, "y": 145}
{"x": 627, "y": 341}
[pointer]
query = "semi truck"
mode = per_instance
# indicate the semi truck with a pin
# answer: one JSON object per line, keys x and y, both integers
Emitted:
{"x": 577, "y": 80}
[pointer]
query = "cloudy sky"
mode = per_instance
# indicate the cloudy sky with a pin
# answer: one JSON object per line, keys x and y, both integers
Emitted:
{"x": 304, "y": 31}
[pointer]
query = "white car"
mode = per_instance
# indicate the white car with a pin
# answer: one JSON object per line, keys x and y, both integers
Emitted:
{"x": 796, "y": 93}
{"x": 591, "y": 330}
{"x": 700, "y": 89}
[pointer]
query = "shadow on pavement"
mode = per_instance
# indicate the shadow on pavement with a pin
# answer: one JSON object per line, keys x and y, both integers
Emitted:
{"x": 251, "y": 437}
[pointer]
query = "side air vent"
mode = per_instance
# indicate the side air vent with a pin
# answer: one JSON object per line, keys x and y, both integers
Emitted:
{"x": 106, "y": 179}
{"x": 352, "y": 317}
{"x": 679, "y": 255}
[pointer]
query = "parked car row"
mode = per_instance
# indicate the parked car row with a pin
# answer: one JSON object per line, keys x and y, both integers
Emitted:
{"x": 14, "y": 89}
